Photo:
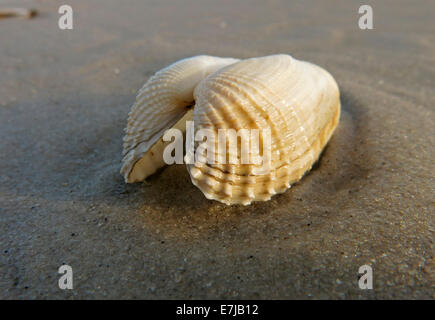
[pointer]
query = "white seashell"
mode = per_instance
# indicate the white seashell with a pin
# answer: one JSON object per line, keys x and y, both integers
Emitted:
{"x": 162, "y": 103}
{"x": 297, "y": 101}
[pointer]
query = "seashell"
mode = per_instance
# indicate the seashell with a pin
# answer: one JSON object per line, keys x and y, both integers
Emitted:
{"x": 162, "y": 103}
{"x": 296, "y": 101}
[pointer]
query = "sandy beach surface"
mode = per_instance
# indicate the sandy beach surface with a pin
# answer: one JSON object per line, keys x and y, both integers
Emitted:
{"x": 64, "y": 100}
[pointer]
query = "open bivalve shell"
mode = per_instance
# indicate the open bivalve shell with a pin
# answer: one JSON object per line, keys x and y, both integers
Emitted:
{"x": 295, "y": 102}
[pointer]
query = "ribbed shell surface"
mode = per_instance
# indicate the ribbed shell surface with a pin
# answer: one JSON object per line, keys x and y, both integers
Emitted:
{"x": 297, "y": 101}
{"x": 161, "y": 102}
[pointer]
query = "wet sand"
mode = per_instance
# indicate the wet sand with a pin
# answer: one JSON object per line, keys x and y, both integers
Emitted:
{"x": 64, "y": 99}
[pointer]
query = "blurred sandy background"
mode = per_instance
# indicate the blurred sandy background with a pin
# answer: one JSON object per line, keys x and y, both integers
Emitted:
{"x": 64, "y": 99}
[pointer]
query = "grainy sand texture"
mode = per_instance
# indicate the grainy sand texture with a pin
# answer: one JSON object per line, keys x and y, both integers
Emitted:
{"x": 64, "y": 100}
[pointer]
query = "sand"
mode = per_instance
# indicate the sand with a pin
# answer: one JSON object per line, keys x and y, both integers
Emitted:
{"x": 65, "y": 96}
